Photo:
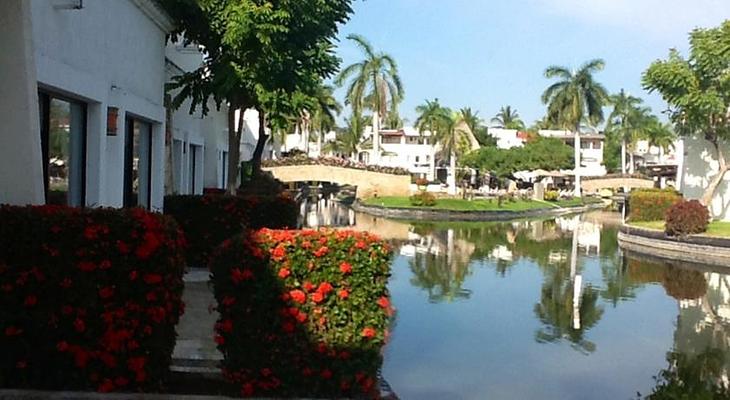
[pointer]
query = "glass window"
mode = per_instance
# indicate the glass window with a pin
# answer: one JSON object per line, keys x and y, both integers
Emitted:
{"x": 137, "y": 163}
{"x": 63, "y": 140}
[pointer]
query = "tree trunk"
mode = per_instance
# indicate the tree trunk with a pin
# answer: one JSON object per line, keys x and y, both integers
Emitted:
{"x": 632, "y": 166}
{"x": 234, "y": 148}
{"x": 452, "y": 177}
{"x": 576, "y": 144}
{"x": 623, "y": 156}
{"x": 376, "y": 139}
{"x": 260, "y": 144}
{"x": 717, "y": 180}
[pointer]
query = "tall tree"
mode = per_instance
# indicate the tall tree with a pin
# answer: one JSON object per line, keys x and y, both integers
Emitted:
{"x": 659, "y": 135}
{"x": 627, "y": 123}
{"x": 575, "y": 96}
{"x": 374, "y": 83}
{"x": 348, "y": 138}
{"x": 697, "y": 90}
{"x": 258, "y": 53}
{"x": 508, "y": 118}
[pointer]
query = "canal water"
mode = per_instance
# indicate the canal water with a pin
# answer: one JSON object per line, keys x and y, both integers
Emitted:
{"x": 546, "y": 309}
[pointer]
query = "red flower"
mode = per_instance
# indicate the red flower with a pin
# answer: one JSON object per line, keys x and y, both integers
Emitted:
{"x": 298, "y": 296}
{"x": 345, "y": 267}
{"x": 343, "y": 293}
{"x": 79, "y": 325}
{"x": 66, "y": 283}
{"x": 237, "y": 275}
{"x": 317, "y": 297}
{"x": 105, "y": 264}
{"x": 219, "y": 339}
{"x": 228, "y": 300}
{"x": 368, "y": 332}
{"x": 283, "y": 273}
{"x": 308, "y": 286}
{"x": 226, "y": 325}
{"x": 106, "y": 292}
{"x": 277, "y": 253}
{"x": 247, "y": 390}
{"x": 66, "y": 310}
{"x": 152, "y": 279}
{"x": 361, "y": 245}
{"x": 122, "y": 247}
{"x": 13, "y": 331}
{"x": 62, "y": 346}
{"x": 325, "y": 288}
{"x": 383, "y": 302}
{"x": 106, "y": 386}
{"x": 133, "y": 275}
{"x": 321, "y": 251}
{"x": 326, "y": 374}
{"x": 30, "y": 301}
{"x": 87, "y": 266}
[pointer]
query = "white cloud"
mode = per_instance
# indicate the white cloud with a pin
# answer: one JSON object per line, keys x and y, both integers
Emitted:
{"x": 656, "y": 18}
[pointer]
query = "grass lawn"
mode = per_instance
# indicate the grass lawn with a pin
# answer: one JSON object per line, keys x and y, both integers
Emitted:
{"x": 473, "y": 205}
{"x": 716, "y": 228}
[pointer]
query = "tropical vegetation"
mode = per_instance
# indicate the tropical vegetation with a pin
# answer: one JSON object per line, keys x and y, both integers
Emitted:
{"x": 696, "y": 89}
{"x": 508, "y": 118}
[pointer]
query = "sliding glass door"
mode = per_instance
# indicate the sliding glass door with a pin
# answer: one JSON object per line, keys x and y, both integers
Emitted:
{"x": 137, "y": 163}
{"x": 63, "y": 141}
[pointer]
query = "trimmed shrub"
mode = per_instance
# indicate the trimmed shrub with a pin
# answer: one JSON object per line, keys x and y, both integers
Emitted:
{"x": 651, "y": 204}
{"x": 209, "y": 220}
{"x": 90, "y": 298}
{"x": 423, "y": 199}
{"x": 302, "y": 313}
{"x": 551, "y": 195}
{"x": 687, "y": 218}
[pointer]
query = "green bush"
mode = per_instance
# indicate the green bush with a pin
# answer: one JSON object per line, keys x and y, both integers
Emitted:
{"x": 687, "y": 218}
{"x": 551, "y": 195}
{"x": 651, "y": 204}
{"x": 302, "y": 313}
{"x": 210, "y": 219}
{"x": 423, "y": 199}
{"x": 90, "y": 298}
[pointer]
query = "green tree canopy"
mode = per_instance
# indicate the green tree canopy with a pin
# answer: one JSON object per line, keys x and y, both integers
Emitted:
{"x": 697, "y": 90}
{"x": 540, "y": 153}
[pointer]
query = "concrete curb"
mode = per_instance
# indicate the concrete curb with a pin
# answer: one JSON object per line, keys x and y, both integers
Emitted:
{"x": 692, "y": 249}
{"x": 412, "y": 214}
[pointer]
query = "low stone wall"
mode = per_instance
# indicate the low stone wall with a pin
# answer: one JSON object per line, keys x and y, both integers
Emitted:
{"x": 415, "y": 214}
{"x": 694, "y": 249}
{"x": 368, "y": 183}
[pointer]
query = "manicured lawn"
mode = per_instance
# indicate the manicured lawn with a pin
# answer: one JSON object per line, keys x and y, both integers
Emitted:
{"x": 473, "y": 205}
{"x": 716, "y": 228}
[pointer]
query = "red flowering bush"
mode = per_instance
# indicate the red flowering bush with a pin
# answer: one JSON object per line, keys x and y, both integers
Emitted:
{"x": 687, "y": 218}
{"x": 209, "y": 220}
{"x": 90, "y": 298}
{"x": 651, "y": 204}
{"x": 302, "y": 313}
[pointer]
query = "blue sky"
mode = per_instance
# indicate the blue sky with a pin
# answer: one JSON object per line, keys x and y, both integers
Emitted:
{"x": 488, "y": 53}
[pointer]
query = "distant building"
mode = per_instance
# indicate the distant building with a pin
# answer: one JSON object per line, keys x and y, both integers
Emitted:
{"x": 509, "y": 138}
{"x": 591, "y": 149}
{"x": 404, "y": 148}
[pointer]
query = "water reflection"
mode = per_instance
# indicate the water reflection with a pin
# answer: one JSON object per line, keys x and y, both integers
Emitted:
{"x": 482, "y": 306}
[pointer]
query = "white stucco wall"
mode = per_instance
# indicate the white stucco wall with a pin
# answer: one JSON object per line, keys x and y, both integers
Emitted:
{"x": 699, "y": 167}
{"x": 106, "y": 54}
{"x": 21, "y": 171}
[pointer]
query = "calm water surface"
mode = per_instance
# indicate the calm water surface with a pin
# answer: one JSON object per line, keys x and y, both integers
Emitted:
{"x": 501, "y": 311}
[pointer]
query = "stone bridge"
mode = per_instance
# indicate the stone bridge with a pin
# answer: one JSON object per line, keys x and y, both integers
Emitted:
{"x": 614, "y": 182}
{"x": 368, "y": 183}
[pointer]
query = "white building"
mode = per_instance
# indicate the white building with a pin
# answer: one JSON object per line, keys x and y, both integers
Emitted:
{"x": 83, "y": 110}
{"x": 88, "y": 82}
{"x": 404, "y": 148}
{"x": 509, "y": 138}
{"x": 591, "y": 149}
{"x": 700, "y": 165}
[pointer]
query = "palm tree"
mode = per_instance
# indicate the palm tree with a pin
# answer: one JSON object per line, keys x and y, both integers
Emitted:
{"x": 625, "y": 122}
{"x": 575, "y": 96}
{"x": 508, "y": 118}
{"x": 471, "y": 118}
{"x": 660, "y": 135}
{"x": 326, "y": 109}
{"x": 375, "y": 85}
{"x": 347, "y": 139}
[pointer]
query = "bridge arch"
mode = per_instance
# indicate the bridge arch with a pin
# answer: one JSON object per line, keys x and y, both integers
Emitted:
{"x": 369, "y": 183}
{"x": 595, "y": 184}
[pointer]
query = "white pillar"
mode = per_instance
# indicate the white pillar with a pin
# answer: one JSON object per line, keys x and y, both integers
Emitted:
{"x": 576, "y": 141}
{"x": 21, "y": 160}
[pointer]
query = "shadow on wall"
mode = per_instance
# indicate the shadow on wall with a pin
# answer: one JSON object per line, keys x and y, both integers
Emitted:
{"x": 700, "y": 166}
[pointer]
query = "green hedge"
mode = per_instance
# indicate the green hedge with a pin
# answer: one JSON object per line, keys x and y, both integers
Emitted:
{"x": 210, "y": 219}
{"x": 651, "y": 204}
{"x": 90, "y": 298}
{"x": 302, "y": 313}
